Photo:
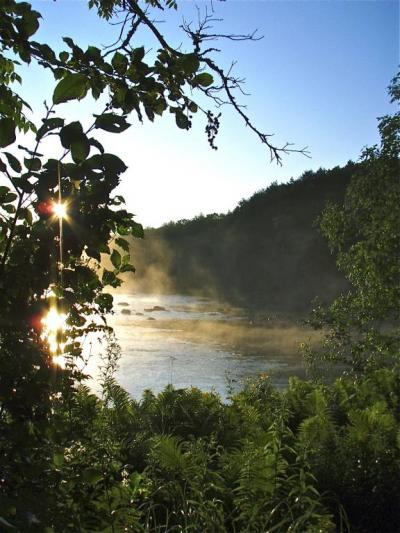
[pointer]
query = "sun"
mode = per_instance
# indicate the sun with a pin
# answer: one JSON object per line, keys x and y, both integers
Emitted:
{"x": 60, "y": 210}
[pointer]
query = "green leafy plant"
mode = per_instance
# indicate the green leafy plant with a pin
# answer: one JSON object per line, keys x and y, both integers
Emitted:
{"x": 363, "y": 324}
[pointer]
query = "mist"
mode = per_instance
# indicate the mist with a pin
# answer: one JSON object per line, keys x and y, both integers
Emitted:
{"x": 267, "y": 255}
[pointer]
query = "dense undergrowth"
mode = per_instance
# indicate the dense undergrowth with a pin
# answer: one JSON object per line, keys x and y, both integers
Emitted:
{"x": 313, "y": 458}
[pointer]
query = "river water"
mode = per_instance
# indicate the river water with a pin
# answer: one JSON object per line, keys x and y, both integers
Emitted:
{"x": 190, "y": 341}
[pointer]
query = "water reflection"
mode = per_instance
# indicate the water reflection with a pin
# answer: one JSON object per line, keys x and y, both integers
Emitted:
{"x": 194, "y": 342}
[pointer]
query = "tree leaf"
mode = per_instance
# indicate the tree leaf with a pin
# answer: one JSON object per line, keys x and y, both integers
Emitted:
{"x": 189, "y": 63}
{"x": 193, "y": 107}
{"x": 137, "y": 54}
{"x": 114, "y": 163}
{"x": 80, "y": 149}
{"x": 73, "y": 87}
{"x": 33, "y": 164}
{"x": 92, "y": 475}
{"x": 63, "y": 56}
{"x": 93, "y": 54}
{"x": 112, "y": 123}
{"x": 122, "y": 243}
{"x": 9, "y": 197}
{"x": 28, "y": 216}
{"x": 93, "y": 252}
{"x": 137, "y": 230}
{"x": 49, "y": 124}
{"x": 116, "y": 258}
{"x": 28, "y": 24}
{"x": 127, "y": 268}
{"x": 13, "y": 162}
{"x": 182, "y": 120}
{"x": 105, "y": 301}
{"x": 7, "y": 131}
{"x": 58, "y": 459}
{"x": 108, "y": 277}
{"x": 97, "y": 144}
{"x": 119, "y": 63}
{"x": 204, "y": 79}
{"x": 70, "y": 133}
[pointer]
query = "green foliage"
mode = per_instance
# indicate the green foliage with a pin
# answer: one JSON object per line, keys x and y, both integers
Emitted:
{"x": 364, "y": 233}
{"x": 311, "y": 458}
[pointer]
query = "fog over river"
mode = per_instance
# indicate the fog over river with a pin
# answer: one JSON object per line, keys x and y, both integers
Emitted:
{"x": 190, "y": 341}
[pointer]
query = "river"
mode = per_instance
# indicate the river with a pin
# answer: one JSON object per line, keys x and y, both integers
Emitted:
{"x": 190, "y": 341}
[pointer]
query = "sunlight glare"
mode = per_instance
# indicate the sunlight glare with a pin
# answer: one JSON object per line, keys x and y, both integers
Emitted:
{"x": 60, "y": 210}
{"x": 54, "y": 323}
{"x": 59, "y": 360}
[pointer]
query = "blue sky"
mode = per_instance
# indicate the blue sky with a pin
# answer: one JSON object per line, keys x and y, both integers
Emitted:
{"x": 317, "y": 78}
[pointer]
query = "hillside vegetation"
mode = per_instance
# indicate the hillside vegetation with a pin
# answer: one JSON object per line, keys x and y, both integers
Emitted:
{"x": 267, "y": 253}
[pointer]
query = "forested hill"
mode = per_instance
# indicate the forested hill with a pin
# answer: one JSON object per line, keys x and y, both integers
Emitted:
{"x": 267, "y": 253}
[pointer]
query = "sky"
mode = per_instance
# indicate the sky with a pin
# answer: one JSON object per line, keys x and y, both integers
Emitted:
{"x": 318, "y": 78}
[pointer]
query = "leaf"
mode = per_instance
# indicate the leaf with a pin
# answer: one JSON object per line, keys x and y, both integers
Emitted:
{"x": 29, "y": 23}
{"x": 72, "y": 87}
{"x": 103, "y": 248}
{"x": 116, "y": 259}
{"x": 127, "y": 268}
{"x": 13, "y": 162}
{"x": 93, "y": 252}
{"x": 137, "y": 54}
{"x": 122, "y": 243}
{"x": 70, "y": 133}
{"x": 114, "y": 163}
{"x": 118, "y": 200}
{"x": 46, "y": 52}
{"x": 33, "y": 164}
{"x": 69, "y": 41}
{"x": 112, "y": 123}
{"x": 80, "y": 149}
{"x": 93, "y": 54}
{"x": 63, "y": 56}
{"x": 108, "y": 277}
{"x": 126, "y": 259}
{"x": 182, "y": 120}
{"x": 104, "y": 301}
{"x": 108, "y": 162}
{"x": 58, "y": 459}
{"x": 204, "y": 79}
{"x": 189, "y": 63}
{"x": 92, "y": 475}
{"x": 9, "y": 197}
{"x": 28, "y": 216}
{"x": 49, "y": 124}
{"x": 119, "y": 63}
{"x": 97, "y": 144}
{"x": 7, "y": 131}
{"x": 137, "y": 230}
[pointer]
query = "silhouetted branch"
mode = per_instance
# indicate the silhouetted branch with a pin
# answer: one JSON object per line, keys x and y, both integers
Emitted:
{"x": 226, "y": 83}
